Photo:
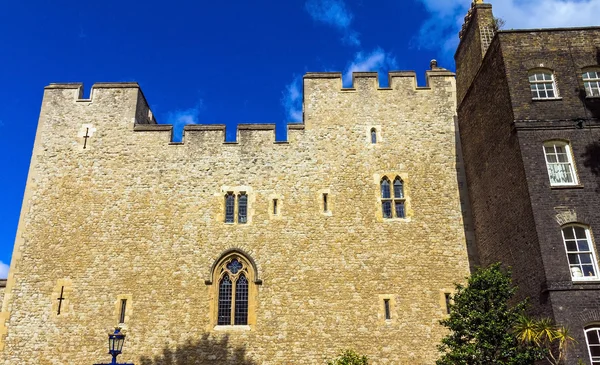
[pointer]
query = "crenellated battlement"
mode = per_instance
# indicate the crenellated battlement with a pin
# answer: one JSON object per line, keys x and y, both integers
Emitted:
{"x": 122, "y": 106}
{"x": 397, "y": 80}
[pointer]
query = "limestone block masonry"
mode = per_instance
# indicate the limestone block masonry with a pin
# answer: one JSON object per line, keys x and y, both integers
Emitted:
{"x": 115, "y": 212}
{"x": 2, "y": 286}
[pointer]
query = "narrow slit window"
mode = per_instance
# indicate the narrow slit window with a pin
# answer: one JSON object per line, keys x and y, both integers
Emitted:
{"x": 373, "y": 136}
{"x": 386, "y": 305}
{"x": 243, "y": 208}
{"x": 448, "y": 298}
{"x": 229, "y": 208}
{"x": 123, "y": 309}
{"x": 325, "y": 205}
{"x": 275, "y": 212}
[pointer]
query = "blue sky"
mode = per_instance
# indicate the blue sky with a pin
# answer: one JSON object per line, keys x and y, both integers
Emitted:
{"x": 219, "y": 61}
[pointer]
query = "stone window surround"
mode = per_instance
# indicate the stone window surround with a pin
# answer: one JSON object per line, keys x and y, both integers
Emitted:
{"x": 236, "y": 191}
{"x": 213, "y": 287}
{"x": 378, "y": 135}
{"x": 128, "y": 310}
{"x": 377, "y": 192}
{"x": 381, "y": 309}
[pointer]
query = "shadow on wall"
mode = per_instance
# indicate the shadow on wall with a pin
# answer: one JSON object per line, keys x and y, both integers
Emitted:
{"x": 591, "y": 159}
{"x": 203, "y": 351}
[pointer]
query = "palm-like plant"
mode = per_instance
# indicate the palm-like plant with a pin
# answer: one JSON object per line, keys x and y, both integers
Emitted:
{"x": 552, "y": 340}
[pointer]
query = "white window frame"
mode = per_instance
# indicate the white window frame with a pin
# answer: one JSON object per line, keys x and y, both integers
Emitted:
{"x": 560, "y": 168}
{"x": 594, "y": 360}
{"x": 591, "y": 82}
{"x": 591, "y": 251}
{"x": 538, "y": 84}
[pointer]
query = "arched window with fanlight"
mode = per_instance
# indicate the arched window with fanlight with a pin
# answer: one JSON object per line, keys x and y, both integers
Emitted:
{"x": 592, "y": 337}
{"x": 234, "y": 281}
{"x": 581, "y": 253}
{"x": 392, "y": 198}
{"x": 542, "y": 84}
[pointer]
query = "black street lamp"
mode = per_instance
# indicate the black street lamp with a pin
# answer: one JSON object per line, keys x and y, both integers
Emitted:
{"x": 115, "y": 346}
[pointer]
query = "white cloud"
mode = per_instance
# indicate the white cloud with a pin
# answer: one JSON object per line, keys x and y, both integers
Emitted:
{"x": 3, "y": 270}
{"x": 378, "y": 60}
{"x": 292, "y": 100}
{"x": 334, "y": 13}
{"x": 440, "y": 30}
{"x": 181, "y": 118}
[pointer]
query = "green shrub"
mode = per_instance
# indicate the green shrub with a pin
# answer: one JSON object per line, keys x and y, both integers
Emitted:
{"x": 349, "y": 357}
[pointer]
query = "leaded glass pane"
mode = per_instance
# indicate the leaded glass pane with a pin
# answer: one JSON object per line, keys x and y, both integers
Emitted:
{"x": 399, "y": 209}
{"x": 387, "y": 209}
{"x": 385, "y": 189}
{"x": 234, "y": 266}
{"x": 224, "y": 302}
{"x": 229, "y": 208}
{"x": 241, "y": 301}
{"x": 398, "y": 189}
{"x": 243, "y": 208}
{"x": 373, "y": 136}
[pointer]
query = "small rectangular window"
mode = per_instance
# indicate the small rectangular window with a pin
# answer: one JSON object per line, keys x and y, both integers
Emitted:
{"x": 274, "y": 206}
{"x": 448, "y": 298}
{"x": 386, "y": 304}
{"x": 123, "y": 308}
{"x": 325, "y": 207}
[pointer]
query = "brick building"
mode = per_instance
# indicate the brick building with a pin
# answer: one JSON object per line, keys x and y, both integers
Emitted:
{"x": 349, "y": 234}
{"x": 529, "y": 117}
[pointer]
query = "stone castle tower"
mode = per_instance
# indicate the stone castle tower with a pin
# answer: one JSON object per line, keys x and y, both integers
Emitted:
{"x": 348, "y": 235}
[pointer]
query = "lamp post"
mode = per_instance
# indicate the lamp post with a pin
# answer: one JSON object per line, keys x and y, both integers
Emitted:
{"x": 115, "y": 346}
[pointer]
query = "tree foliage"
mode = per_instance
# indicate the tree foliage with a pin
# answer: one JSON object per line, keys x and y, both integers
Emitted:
{"x": 481, "y": 323}
{"x": 349, "y": 357}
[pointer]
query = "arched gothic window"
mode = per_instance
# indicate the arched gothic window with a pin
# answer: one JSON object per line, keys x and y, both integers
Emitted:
{"x": 373, "y": 135}
{"x": 234, "y": 282}
{"x": 392, "y": 206}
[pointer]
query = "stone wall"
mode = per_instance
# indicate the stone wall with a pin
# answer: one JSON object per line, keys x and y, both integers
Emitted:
{"x": 2, "y": 288}
{"x": 134, "y": 216}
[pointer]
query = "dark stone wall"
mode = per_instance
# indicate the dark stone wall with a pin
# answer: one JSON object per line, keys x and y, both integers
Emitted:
{"x": 471, "y": 49}
{"x": 516, "y": 212}
{"x": 566, "y": 52}
{"x": 502, "y": 214}
{"x": 569, "y": 301}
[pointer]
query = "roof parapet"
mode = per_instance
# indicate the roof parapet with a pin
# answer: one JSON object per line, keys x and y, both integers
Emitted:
{"x": 397, "y": 80}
